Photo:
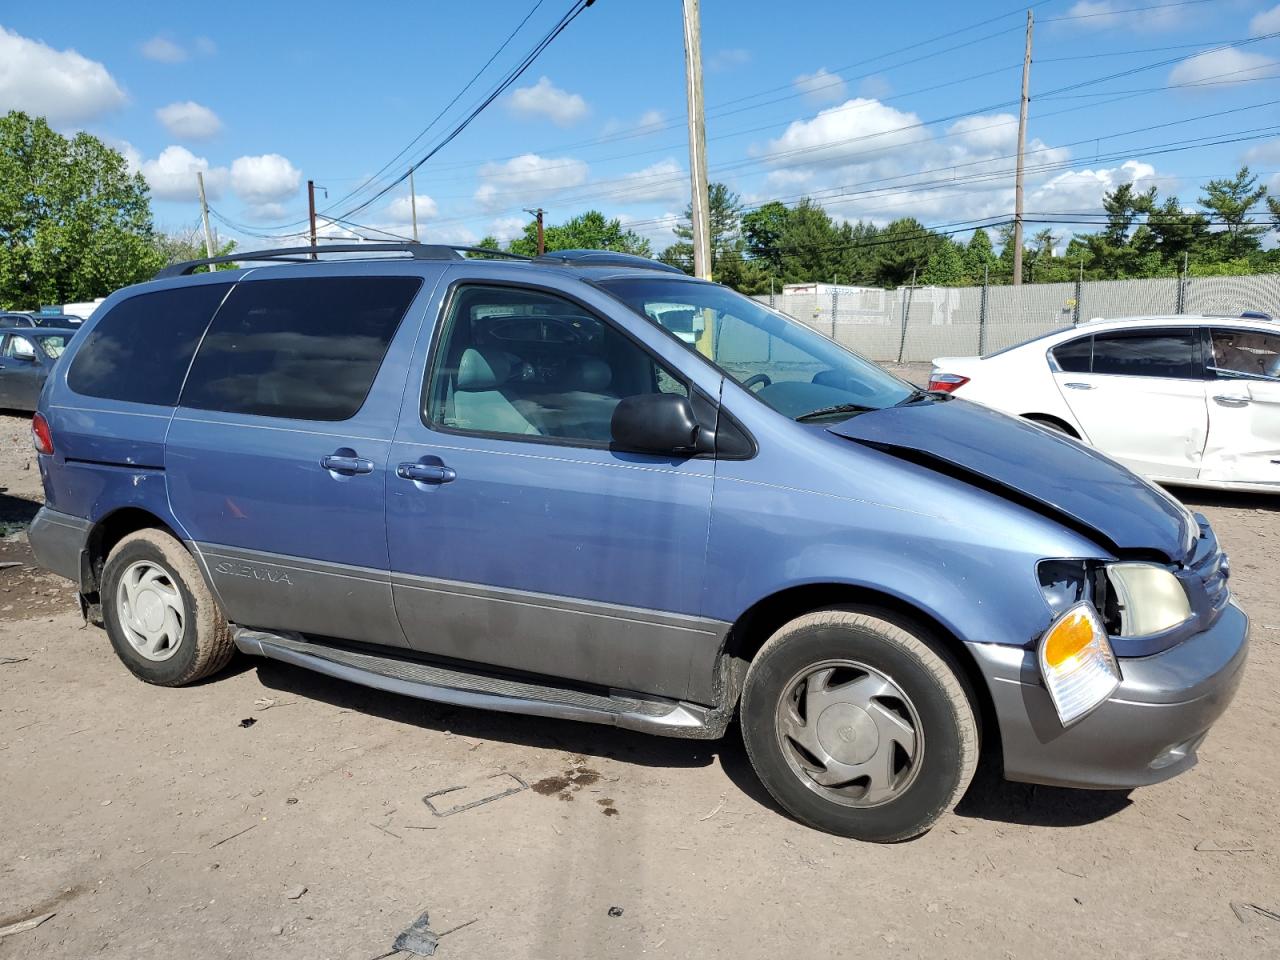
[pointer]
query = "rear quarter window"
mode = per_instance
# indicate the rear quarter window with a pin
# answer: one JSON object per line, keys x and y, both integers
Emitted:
{"x": 301, "y": 349}
{"x": 1074, "y": 356}
{"x": 140, "y": 350}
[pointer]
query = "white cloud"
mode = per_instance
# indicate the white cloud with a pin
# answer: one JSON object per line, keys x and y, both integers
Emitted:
{"x": 527, "y": 179}
{"x": 401, "y": 209}
{"x": 172, "y": 175}
{"x": 1264, "y": 153}
{"x": 163, "y": 50}
{"x": 60, "y": 85}
{"x": 1221, "y": 67}
{"x": 996, "y": 132}
{"x": 508, "y": 228}
{"x": 728, "y": 59}
{"x": 1267, "y": 21}
{"x": 545, "y": 99}
{"x": 661, "y": 181}
{"x": 875, "y": 87}
{"x": 189, "y": 120}
{"x": 266, "y": 212}
{"x": 822, "y": 86}
{"x": 1078, "y": 190}
{"x": 1122, "y": 14}
{"x": 659, "y": 231}
{"x": 839, "y": 134}
{"x": 264, "y": 179}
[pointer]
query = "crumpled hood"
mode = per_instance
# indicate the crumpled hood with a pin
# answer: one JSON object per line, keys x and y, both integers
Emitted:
{"x": 1080, "y": 484}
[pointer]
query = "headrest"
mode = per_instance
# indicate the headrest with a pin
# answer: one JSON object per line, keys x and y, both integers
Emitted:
{"x": 588, "y": 373}
{"x": 482, "y": 370}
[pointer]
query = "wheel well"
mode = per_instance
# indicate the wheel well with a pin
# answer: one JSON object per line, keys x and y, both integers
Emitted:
{"x": 767, "y": 616}
{"x": 1066, "y": 428}
{"x": 110, "y": 530}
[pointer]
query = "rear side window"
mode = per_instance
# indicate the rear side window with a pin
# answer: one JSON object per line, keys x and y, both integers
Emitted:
{"x": 139, "y": 352}
{"x": 302, "y": 349}
{"x": 1075, "y": 356}
{"x": 1171, "y": 354}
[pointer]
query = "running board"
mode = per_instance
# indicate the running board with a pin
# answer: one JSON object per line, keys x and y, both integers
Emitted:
{"x": 425, "y": 681}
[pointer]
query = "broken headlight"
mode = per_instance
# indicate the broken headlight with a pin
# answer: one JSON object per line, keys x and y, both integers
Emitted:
{"x": 1132, "y": 599}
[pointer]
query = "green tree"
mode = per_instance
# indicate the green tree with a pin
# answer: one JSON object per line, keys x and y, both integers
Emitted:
{"x": 945, "y": 266}
{"x": 727, "y": 245}
{"x": 588, "y": 231}
{"x": 74, "y": 223}
{"x": 1230, "y": 202}
{"x": 979, "y": 257}
{"x": 188, "y": 244}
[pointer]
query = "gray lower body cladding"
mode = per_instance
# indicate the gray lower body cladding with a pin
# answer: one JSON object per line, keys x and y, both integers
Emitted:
{"x": 1147, "y": 732}
{"x": 58, "y": 540}
{"x": 448, "y": 684}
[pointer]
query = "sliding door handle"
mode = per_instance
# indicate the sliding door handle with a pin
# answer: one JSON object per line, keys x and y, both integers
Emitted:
{"x": 426, "y": 472}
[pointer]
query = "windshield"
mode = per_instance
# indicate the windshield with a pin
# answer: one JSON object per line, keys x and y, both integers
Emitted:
{"x": 793, "y": 369}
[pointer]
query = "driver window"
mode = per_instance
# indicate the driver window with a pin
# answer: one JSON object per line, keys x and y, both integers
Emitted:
{"x": 528, "y": 364}
{"x": 20, "y": 348}
{"x": 1246, "y": 352}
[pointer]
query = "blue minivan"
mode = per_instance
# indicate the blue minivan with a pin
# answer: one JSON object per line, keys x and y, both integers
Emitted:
{"x": 508, "y": 484}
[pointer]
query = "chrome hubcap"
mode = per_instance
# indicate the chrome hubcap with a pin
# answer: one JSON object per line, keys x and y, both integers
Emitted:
{"x": 850, "y": 733}
{"x": 151, "y": 612}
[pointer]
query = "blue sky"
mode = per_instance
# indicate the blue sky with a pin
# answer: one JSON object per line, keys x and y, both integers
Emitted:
{"x": 819, "y": 98}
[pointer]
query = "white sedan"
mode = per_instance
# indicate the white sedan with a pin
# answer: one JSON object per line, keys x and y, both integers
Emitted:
{"x": 1182, "y": 400}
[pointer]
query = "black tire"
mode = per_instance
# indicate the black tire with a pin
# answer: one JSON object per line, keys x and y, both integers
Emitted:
{"x": 938, "y": 694}
{"x": 1050, "y": 424}
{"x": 205, "y": 644}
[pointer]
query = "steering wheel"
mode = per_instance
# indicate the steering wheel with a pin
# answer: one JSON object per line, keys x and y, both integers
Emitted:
{"x": 760, "y": 378}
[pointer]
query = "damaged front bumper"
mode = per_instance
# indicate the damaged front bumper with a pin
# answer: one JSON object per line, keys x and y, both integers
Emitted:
{"x": 1146, "y": 732}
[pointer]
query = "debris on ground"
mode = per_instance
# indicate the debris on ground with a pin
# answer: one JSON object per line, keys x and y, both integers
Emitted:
{"x": 248, "y": 722}
{"x": 516, "y": 785}
{"x": 1208, "y": 846}
{"x": 1247, "y": 911}
{"x": 420, "y": 940}
{"x": 295, "y": 893}
{"x": 22, "y": 926}
{"x": 233, "y": 836}
{"x": 718, "y": 807}
{"x": 615, "y": 911}
{"x": 5, "y": 661}
{"x": 567, "y": 784}
{"x": 5, "y": 566}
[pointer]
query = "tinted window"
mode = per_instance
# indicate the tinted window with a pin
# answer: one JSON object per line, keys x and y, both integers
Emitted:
{"x": 19, "y": 348}
{"x": 141, "y": 349}
{"x": 1075, "y": 356}
{"x": 1246, "y": 352}
{"x": 53, "y": 344}
{"x": 525, "y": 363}
{"x": 305, "y": 349}
{"x": 1157, "y": 353}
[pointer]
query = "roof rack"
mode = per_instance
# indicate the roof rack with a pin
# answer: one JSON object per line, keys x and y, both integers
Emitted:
{"x": 416, "y": 251}
{"x": 603, "y": 258}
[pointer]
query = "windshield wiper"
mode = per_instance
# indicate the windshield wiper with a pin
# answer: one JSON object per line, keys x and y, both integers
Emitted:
{"x": 834, "y": 411}
{"x": 913, "y": 396}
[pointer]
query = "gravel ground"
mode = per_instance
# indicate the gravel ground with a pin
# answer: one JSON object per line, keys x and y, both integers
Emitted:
{"x": 163, "y": 823}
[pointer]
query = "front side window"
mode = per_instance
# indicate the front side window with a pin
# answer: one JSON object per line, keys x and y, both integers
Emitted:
{"x": 1170, "y": 354}
{"x": 301, "y": 349}
{"x": 524, "y": 363}
{"x": 140, "y": 350}
{"x": 788, "y": 366}
{"x": 1246, "y": 353}
{"x": 19, "y": 348}
{"x": 53, "y": 345}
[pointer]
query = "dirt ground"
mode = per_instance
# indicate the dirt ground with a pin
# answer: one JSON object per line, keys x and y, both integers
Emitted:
{"x": 272, "y": 813}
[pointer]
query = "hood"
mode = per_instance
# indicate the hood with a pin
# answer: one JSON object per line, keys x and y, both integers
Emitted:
{"x": 1052, "y": 473}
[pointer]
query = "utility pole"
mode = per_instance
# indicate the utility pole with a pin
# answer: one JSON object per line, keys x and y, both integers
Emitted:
{"x": 697, "y": 142}
{"x": 204, "y": 212}
{"x": 311, "y": 205}
{"x": 542, "y": 246}
{"x": 1022, "y": 150}
{"x": 413, "y": 205}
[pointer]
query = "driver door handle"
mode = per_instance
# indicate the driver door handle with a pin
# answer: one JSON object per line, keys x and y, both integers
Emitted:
{"x": 341, "y": 464}
{"x": 1078, "y": 386}
{"x": 1227, "y": 400}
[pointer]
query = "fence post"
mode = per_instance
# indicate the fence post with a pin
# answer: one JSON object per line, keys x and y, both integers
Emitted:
{"x": 835, "y": 305}
{"x": 1075, "y": 319}
{"x": 982, "y": 313}
{"x": 906, "y": 311}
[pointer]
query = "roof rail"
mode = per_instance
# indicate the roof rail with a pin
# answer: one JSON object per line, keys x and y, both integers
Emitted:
{"x": 603, "y": 258}
{"x": 416, "y": 251}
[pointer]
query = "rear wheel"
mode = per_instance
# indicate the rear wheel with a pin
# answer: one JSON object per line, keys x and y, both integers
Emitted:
{"x": 858, "y": 727}
{"x": 161, "y": 618}
{"x": 1057, "y": 426}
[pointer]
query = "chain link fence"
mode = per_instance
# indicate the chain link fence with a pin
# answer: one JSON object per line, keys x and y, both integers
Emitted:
{"x": 916, "y": 324}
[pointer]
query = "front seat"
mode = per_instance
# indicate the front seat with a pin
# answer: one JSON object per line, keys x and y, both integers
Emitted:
{"x": 478, "y": 403}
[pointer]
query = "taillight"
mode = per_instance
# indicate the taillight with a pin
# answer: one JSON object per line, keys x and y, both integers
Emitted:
{"x": 947, "y": 382}
{"x": 41, "y": 435}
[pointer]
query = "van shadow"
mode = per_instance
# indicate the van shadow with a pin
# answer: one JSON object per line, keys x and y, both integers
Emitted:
{"x": 989, "y": 798}
{"x": 16, "y": 510}
{"x": 1198, "y": 497}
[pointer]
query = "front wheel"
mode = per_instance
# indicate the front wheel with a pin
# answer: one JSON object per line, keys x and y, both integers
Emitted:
{"x": 858, "y": 727}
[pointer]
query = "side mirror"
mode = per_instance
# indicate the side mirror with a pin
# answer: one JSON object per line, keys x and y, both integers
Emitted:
{"x": 661, "y": 423}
